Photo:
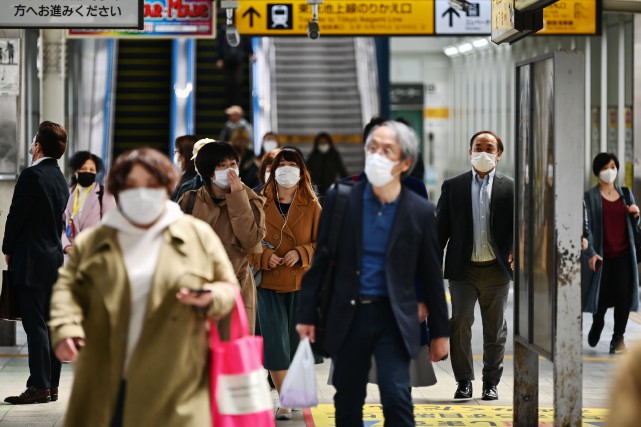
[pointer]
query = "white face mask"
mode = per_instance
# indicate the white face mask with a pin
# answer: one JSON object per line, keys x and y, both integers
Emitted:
{"x": 608, "y": 176}
{"x": 378, "y": 169}
{"x": 483, "y": 162}
{"x": 287, "y": 176}
{"x": 221, "y": 177}
{"x": 269, "y": 145}
{"x": 267, "y": 174}
{"x": 142, "y": 206}
{"x": 323, "y": 148}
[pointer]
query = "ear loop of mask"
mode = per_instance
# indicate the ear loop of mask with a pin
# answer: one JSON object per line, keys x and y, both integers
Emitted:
{"x": 280, "y": 241}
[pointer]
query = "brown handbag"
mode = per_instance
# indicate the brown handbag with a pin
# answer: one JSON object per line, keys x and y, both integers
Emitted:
{"x": 9, "y": 309}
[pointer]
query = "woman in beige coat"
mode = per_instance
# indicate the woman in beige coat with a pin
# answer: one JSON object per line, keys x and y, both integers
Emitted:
{"x": 131, "y": 304}
{"x": 235, "y": 213}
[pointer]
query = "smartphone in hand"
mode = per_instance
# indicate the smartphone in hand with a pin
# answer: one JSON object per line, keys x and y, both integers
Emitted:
{"x": 598, "y": 264}
{"x": 199, "y": 291}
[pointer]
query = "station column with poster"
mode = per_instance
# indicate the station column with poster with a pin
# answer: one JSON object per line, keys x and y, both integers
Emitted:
{"x": 549, "y": 147}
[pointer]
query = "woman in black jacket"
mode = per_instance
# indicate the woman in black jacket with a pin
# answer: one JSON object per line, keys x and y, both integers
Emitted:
{"x": 325, "y": 163}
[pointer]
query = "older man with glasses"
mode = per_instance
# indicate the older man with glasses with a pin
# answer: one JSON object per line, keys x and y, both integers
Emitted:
{"x": 388, "y": 241}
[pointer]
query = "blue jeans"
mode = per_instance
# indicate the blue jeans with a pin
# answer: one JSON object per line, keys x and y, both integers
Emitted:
{"x": 373, "y": 331}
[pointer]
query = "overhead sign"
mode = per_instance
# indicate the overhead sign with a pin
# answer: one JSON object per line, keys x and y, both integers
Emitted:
{"x": 571, "y": 17}
{"x": 336, "y": 17}
{"x": 71, "y": 14}
{"x": 407, "y": 94}
{"x": 450, "y": 20}
{"x": 167, "y": 19}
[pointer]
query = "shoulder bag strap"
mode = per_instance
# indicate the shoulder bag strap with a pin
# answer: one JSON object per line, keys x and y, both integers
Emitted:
{"x": 191, "y": 202}
{"x": 340, "y": 206}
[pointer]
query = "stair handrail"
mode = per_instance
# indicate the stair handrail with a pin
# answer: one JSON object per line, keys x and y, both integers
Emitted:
{"x": 367, "y": 77}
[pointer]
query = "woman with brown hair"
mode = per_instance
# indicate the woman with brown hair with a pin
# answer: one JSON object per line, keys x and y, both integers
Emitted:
{"x": 291, "y": 212}
{"x": 135, "y": 296}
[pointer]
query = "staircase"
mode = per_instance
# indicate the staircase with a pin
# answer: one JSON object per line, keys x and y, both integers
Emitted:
{"x": 316, "y": 88}
{"x": 143, "y": 97}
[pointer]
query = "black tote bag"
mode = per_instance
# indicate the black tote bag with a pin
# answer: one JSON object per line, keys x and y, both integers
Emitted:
{"x": 9, "y": 309}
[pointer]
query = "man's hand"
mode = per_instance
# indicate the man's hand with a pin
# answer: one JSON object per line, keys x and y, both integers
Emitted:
{"x": 306, "y": 331}
{"x": 592, "y": 261}
{"x": 439, "y": 347}
{"x": 510, "y": 259}
{"x": 291, "y": 258}
{"x": 235, "y": 183}
{"x": 584, "y": 244}
{"x": 220, "y": 64}
{"x": 422, "y": 312}
{"x": 67, "y": 350}
{"x": 7, "y": 259}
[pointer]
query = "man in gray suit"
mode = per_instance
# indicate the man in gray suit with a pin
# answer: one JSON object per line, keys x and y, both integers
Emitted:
{"x": 475, "y": 220}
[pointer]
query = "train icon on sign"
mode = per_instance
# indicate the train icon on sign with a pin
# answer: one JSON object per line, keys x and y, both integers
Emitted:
{"x": 279, "y": 17}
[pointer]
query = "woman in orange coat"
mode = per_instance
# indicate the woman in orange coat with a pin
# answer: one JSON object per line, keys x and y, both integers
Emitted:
{"x": 291, "y": 218}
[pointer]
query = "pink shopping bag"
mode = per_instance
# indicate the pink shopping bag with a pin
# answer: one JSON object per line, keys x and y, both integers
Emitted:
{"x": 240, "y": 395}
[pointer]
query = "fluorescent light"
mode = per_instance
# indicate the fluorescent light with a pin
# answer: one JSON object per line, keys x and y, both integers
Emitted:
{"x": 465, "y": 47}
{"x": 450, "y": 51}
{"x": 480, "y": 42}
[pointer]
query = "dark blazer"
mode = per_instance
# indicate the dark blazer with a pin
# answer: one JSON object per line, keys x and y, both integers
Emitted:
{"x": 34, "y": 225}
{"x": 412, "y": 253}
{"x": 455, "y": 224}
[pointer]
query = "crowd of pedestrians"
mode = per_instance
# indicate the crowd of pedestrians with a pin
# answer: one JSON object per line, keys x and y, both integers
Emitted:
{"x": 121, "y": 277}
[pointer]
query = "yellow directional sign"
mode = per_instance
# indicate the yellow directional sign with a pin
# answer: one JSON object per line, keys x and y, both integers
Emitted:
{"x": 336, "y": 17}
{"x": 571, "y": 17}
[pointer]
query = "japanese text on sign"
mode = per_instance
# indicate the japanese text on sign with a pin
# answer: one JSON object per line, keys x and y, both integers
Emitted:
{"x": 71, "y": 14}
{"x": 337, "y": 17}
{"x": 168, "y": 19}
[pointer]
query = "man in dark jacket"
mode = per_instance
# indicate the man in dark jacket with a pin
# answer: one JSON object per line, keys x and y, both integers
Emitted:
{"x": 388, "y": 240}
{"x": 33, "y": 251}
{"x": 475, "y": 220}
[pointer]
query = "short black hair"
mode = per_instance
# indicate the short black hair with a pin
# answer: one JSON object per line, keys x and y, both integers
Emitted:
{"x": 602, "y": 159}
{"x": 78, "y": 159}
{"x": 489, "y": 132}
{"x": 212, "y": 154}
{"x": 374, "y": 122}
{"x": 52, "y": 139}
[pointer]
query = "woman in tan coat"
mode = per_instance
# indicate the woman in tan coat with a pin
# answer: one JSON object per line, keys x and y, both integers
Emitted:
{"x": 134, "y": 296}
{"x": 235, "y": 213}
{"x": 292, "y": 212}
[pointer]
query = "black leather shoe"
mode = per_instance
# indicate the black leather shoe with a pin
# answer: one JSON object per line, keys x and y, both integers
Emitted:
{"x": 463, "y": 390}
{"x": 54, "y": 393}
{"x": 595, "y": 333}
{"x": 490, "y": 392}
{"x": 30, "y": 395}
{"x": 617, "y": 346}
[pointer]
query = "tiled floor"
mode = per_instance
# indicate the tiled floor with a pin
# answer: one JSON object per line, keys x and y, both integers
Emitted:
{"x": 598, "y": 367}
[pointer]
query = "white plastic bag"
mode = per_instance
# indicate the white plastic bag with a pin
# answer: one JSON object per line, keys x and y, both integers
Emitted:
{"x": 299, "y": 387}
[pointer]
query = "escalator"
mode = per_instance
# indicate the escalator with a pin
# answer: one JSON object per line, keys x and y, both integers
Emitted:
{"x": 211, "y": 96}
{"x": 143, "y": 95}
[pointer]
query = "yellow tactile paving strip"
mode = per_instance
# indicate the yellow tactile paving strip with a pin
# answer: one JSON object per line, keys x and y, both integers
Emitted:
{"x": 453, "y": 415}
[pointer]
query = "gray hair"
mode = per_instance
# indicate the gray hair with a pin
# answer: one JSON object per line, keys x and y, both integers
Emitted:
{"x": 405, "y": 137}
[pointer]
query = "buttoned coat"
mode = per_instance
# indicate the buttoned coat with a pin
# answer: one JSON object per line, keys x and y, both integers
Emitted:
{"x": 412, "y": 255}
{"x": 456, "y": 226}
{"x": 299, "y": 231}
{"x": 593, "y": 232}
{"x": 167, "y": 376}
{"x": 34, "y": 225}
{"x": 239, "y": 222}
{"x": 91, "y": 212}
